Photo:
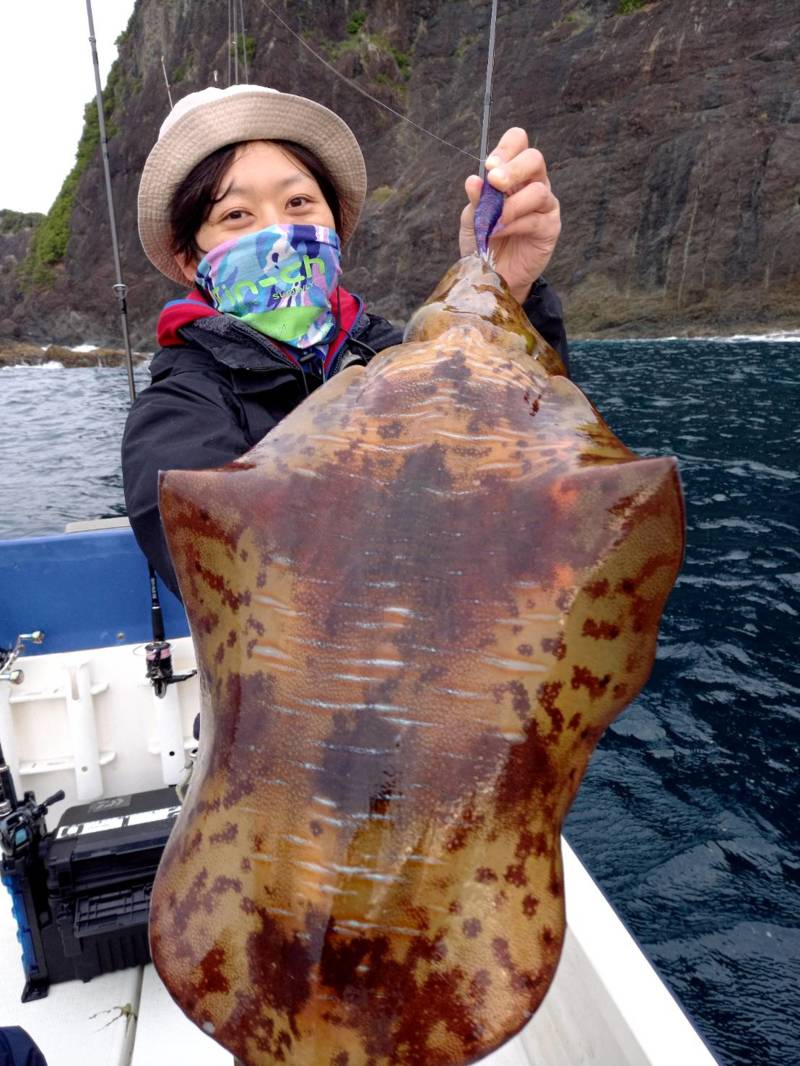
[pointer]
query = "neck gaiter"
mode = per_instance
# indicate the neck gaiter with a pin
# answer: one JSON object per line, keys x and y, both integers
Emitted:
{"x": 278, "y": 280}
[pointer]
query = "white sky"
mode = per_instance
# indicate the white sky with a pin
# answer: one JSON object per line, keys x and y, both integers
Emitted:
{"x": 46, "y": 78}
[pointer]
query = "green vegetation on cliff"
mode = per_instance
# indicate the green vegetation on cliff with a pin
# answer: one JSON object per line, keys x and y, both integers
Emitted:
{"x": 244, "y": 46}
{"x": 49, "y": 244}
{"x": 363, "y": 43}
{"x": 16, "y": 221}
{"x": 357, "y": 20}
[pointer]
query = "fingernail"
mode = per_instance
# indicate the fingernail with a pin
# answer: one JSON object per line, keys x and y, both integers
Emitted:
{"x": 493, "y": 160}
{"x": 499, "y": 174}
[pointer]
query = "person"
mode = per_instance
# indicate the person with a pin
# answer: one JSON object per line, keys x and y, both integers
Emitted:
{"x": 17, "y": 1048}
{"x": 247, "y": 176}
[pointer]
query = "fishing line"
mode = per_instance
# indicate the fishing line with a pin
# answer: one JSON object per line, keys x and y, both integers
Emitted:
{"x": 369, "y": 96}
{"x": 230, "y": 57}
{"x": 244, "y": 41}
{"x": 166, "y": 82}
{"x": 235, "y": 43}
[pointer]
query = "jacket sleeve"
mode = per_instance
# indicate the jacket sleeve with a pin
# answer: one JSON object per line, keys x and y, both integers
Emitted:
{"x": 543, "y": 309}
{"x": 378, "y": 335}
{"x": 186, "y": 421}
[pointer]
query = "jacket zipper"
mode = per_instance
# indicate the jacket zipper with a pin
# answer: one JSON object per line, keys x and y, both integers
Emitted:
{"x": 359, "y": 325}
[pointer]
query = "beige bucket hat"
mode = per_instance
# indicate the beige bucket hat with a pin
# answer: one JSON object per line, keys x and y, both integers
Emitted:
{"x": 204, "y": 121}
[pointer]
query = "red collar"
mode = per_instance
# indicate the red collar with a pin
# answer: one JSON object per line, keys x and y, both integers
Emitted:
{"x": 193, "y": 306}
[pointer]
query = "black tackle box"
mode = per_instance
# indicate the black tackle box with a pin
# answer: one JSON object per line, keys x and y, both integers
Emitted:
{"x": 99, "y": 864}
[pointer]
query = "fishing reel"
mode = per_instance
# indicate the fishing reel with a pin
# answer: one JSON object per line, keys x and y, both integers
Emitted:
{"x": 23, "y": 827}
{"x": 159, "y": 651}
{"x": 8, "y": 656}
{"x": 159, "y": 667}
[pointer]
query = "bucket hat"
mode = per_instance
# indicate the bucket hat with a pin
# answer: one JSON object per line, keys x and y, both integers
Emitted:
{"x": 204, "y": 121}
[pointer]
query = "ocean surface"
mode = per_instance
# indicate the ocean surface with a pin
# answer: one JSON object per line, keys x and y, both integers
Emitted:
{"x": 688, "y": 816}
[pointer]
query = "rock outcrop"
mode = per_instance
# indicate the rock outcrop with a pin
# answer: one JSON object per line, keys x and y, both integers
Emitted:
{"x": 672, "y": 130}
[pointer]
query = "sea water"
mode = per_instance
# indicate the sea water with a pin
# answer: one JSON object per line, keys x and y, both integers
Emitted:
{"x": 688, "y": 816}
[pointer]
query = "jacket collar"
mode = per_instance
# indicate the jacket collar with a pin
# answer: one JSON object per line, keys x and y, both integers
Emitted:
{"x": 237, "y": 345}
{"x": 179, "y": 313}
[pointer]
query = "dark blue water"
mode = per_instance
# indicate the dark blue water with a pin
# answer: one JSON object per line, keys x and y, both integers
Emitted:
{"x": 689, "y": 813}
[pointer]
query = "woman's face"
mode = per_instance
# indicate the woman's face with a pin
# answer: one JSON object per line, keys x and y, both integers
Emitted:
{"x": 263, "y": 186}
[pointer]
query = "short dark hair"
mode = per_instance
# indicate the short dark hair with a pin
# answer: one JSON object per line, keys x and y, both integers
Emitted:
{"x": 196, "y": 195}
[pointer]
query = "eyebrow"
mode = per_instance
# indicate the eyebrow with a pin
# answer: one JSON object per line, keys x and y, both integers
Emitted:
{"x": 239, "y": 190}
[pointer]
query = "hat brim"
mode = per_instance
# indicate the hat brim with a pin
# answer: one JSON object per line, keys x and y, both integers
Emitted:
{"x": 254, "y": 115}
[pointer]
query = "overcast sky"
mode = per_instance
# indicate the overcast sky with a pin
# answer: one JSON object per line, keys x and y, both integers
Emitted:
{"x": 46, "y": 78}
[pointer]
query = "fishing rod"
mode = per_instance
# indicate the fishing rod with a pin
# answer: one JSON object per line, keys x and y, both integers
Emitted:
{"x": 22, "y": 834}
{"x": 159, "y": 653}
{"x": 160, "y": 672}
{"x": 487, "y": 96}
{"x": 120, "y": 288}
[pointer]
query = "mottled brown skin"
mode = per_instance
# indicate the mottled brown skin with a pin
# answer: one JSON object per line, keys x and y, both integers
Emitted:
{"x": 416, "y": 606}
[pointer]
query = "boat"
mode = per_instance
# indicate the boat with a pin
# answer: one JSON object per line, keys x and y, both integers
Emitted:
{"x": 79, "y": 715}
{"x": 98, "y": 704}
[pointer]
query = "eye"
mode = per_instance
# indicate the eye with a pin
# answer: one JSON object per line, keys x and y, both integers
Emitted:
{"x": 236, "y": 215}
{"x": 299, "y": 201}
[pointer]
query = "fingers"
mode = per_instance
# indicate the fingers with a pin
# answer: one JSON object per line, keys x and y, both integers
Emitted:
{"x": 526, "y": 167}
{"x": 524, "y": 209}
{"x": 466, "y": 229}
{"x": 513, "y": 141}
{"x": 472, "y": 187}
{"x": 530, "y": 209}
{"x": 467, "y": 220}
{"x": 510, "y": 166}
{"x": 543, "y": 228}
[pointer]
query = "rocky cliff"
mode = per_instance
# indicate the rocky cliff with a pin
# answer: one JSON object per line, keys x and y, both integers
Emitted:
{"x": 672, "y": 131}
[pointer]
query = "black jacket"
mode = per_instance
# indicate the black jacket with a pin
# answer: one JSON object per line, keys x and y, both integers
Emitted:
{"x": 214, "y": 397}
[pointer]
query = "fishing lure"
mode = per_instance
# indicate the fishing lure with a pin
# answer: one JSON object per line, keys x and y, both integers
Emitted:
{"x": 487, "y": 214}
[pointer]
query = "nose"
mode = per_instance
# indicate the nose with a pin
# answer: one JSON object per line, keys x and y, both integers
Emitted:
{"x": 268, "y": 214}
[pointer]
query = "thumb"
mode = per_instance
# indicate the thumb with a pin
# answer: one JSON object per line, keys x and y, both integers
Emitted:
{"x": 466, "y": 233}
{"x": 472, "y": 187}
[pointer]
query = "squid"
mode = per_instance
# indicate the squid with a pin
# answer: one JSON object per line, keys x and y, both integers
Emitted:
{"x": 416, "y": 606}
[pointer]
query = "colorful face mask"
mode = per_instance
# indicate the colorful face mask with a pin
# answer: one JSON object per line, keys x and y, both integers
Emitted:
{"x": 278, "y": 280}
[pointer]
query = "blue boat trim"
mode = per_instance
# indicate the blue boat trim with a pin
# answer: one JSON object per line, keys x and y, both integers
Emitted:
{"x": 84, "y": 590}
